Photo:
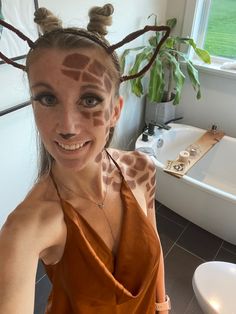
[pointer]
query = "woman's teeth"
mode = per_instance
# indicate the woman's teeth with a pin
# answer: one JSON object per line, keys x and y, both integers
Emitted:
{"x": 71, "y": 147}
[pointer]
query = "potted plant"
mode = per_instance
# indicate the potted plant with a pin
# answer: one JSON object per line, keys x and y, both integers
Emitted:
{"x": 163, "y": 83}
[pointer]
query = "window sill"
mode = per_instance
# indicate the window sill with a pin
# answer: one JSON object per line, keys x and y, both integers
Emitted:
{"x": 215, "y": 69}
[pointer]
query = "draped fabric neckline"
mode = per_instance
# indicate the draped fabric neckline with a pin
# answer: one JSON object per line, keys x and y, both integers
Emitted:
{"x": 89, "y": 279}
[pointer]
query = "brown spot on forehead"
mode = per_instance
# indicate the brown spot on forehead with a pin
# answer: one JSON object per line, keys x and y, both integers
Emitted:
{"x": 90, "y": 78}
{"x": 108, "y": 84}
{"x": 75, "y": 75}
{"x": 97, "y": 68}
{"x": 76, "y": 61}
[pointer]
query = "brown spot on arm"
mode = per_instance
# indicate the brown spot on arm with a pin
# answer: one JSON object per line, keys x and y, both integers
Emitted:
{"x": 140, "y": 164}
{"x": 143, "y": 178}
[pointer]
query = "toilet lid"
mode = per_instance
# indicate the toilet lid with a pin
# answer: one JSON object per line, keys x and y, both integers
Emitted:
{"x": 214, "y": 284}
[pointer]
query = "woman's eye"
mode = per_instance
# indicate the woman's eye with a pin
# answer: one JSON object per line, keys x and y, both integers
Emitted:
{"x": 45, "y": 99}
{"x": 91, "y": 101}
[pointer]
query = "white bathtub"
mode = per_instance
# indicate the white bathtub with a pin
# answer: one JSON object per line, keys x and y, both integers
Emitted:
{"x": 206, "y": 195}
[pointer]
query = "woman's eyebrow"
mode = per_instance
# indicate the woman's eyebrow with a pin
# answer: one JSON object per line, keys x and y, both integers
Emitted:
{"x": 97, "y": 87}
{"x": 41, "y": 84}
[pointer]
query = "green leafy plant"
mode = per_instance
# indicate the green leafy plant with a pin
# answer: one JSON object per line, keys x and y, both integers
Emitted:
{"x": 165, "y": 79}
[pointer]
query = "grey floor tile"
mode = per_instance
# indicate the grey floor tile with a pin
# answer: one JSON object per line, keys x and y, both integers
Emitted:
{"x": 179, "y": 268}
{"x": 230, "y": 247}
{"x": 168, "y": 232}
{"x": 226, "y": 256}
{"x": 170, "y": 214}
{"x": 193, "y": 307}
{"x": 40, "y": 271}
{"x": 42, "y": 290}
{"x": 200, "y": 242}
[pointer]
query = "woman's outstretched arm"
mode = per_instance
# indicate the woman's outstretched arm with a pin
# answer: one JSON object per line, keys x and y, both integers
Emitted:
{"x": 19, "y": 252}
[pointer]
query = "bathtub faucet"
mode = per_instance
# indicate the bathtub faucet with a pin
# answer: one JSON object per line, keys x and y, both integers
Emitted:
{"x": 160, "y": 125}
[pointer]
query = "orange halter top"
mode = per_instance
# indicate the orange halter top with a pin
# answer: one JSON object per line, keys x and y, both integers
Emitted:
{"x": 90, "y": 280}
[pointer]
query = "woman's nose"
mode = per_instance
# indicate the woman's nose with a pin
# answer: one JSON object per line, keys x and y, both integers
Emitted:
{"x": 67, "y": 124}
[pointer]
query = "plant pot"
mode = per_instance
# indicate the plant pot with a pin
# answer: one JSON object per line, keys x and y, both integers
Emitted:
{"x": 159, "y": 112}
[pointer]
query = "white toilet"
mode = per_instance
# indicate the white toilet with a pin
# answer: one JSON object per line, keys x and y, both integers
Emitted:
{"x": 214, "y": 284}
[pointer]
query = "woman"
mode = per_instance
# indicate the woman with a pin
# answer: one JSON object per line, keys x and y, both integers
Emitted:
{"x": 90, "y": 217}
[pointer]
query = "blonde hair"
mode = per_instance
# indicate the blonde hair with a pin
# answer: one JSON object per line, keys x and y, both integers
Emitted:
{"x": 53, "y": 35}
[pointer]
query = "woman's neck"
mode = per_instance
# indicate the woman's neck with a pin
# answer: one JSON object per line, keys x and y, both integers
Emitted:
{"x": 87, "y": 182}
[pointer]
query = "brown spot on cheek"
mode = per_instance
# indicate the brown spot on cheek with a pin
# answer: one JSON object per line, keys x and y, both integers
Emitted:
{"x": 75, "y": 75}
{"x": 97, "y": 68}
{"x": 97, "y": 114}
{"x": 106, "y": 115}
{"x": 86, "y": 115}
{"x": 97, "y": 122}
{"x": 76, "y": 61}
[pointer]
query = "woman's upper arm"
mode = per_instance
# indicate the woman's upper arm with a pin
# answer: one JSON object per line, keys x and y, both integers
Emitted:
{"x": 19, "y": 252}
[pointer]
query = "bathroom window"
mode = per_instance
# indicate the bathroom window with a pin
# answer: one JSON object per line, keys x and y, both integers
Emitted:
{"x": 212, "y": 23}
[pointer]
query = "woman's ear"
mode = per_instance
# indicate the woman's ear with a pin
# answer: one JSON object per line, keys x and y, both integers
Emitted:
{"x": 117, "y": 110}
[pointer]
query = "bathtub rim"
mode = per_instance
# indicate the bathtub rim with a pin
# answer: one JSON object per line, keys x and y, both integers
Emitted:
{"x": 202, "y": 186}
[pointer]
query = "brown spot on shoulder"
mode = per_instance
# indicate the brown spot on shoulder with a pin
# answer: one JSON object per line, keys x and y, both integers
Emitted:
{"x": 131, "y": 184}
{"x": 143, "y": 178}
{"x": 116, "y": 186}
{"x": 148, "y": 187}
{"x": 76, "y": 61}
{"x": 131, "y": 172}
{"x": 99, "y": 157}
{"x": 115, "y": 155}
{"x": 127, "y": 159}
{"x": 140, "y": 164}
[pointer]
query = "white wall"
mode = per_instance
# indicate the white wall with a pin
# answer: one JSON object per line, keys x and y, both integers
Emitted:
{"x": 218, "y": 102}
{"x": 18, "y": 150}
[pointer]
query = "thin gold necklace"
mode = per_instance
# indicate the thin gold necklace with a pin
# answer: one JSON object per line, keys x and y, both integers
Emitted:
{"x": 99, "y": 204}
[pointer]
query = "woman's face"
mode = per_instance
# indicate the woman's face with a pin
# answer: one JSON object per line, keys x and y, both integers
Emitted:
{"x": 74, "y": 104}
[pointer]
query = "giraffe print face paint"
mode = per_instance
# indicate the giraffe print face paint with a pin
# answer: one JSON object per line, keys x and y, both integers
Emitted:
{"x": 72, "y": 93}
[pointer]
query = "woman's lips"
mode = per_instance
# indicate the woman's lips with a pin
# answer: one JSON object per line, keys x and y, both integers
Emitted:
{"x": 72, "y": 147}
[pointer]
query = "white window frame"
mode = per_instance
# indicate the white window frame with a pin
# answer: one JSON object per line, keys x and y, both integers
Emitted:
{"x": 195, "y": 25}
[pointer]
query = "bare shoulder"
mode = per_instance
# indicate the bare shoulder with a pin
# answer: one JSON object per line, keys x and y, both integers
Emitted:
{"x": 38, "y": 216}
{"x": 139, "y": 172}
